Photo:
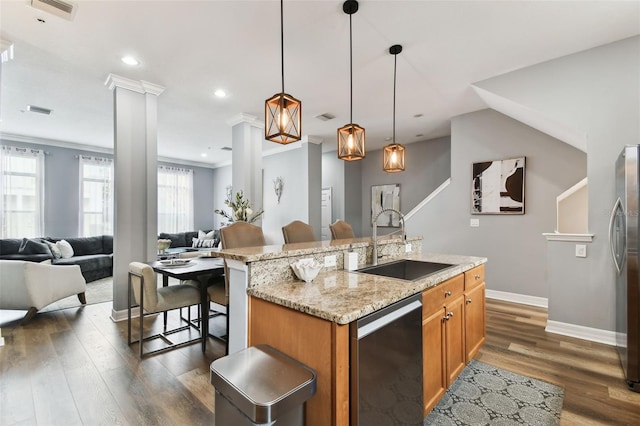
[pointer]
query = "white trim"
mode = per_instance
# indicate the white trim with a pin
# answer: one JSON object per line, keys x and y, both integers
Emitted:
{"x": 558, "y": 236}
{"x": 541, "y": 302}
{"x": 243, "y": 117}
{"x": 581, "y": 332}
{"x": 430, "y": 197}
{"x": 52, "y": 142}
{"x": 141, "y": 86}
{"x": 117, "y": 316}
{"x": 575, "y": 188}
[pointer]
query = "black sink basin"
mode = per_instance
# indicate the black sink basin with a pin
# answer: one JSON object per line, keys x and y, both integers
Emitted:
{"x": 411, "y": 270}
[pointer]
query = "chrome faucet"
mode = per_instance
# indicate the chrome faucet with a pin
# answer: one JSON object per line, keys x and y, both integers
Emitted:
{"x": 375, "y": 232}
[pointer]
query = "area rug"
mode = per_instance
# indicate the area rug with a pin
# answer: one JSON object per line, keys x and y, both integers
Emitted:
{"x": 487, "y": 395}
{"x": 97, "y": 292}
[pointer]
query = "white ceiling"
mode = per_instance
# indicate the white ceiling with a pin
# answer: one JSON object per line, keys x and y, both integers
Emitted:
{"x": 194, "y": 47}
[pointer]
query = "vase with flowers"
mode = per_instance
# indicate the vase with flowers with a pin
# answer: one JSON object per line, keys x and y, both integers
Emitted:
{"x": 241, "y": 210}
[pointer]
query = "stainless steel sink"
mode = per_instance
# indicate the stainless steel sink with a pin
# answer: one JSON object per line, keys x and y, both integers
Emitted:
{"x": 411, "y": 270}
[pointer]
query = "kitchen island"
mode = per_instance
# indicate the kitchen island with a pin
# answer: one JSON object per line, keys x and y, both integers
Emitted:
{"x": 310, "y": 322}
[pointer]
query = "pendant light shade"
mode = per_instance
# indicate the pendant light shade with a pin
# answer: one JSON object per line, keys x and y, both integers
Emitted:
{"x": 393, "y": 154}
{"x": 351, "y": 137}
{"x": 282, "y": 112}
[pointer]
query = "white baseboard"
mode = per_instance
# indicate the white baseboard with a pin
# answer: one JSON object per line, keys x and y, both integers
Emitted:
{"x": 117, "y": 316}
{"x": 582, "y": 332}
{"x": 541, "y": 302}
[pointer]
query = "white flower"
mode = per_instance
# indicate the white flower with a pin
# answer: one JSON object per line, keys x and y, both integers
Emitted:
{"x": 248, "y": 211}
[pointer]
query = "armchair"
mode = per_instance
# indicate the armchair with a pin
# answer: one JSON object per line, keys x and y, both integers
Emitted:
{"x": 32, "y": 286}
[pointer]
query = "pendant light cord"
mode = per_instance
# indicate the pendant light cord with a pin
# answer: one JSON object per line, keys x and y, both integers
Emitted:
{"x": 395, "y": 62}
{"x": 282, "y": 41}
{"x": 350, "y": 71}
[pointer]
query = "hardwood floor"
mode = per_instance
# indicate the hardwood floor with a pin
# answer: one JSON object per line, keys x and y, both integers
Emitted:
{"x": 590, "y": 373}
{"x": 74, "y": 367}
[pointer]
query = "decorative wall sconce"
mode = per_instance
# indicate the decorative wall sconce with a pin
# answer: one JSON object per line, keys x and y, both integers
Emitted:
{"x": 229, "y": 194}
{"x": 278, "y": 184}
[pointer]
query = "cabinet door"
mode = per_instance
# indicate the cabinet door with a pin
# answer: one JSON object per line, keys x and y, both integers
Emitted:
{"x": 474, "y": 315}
{"x": 454, "y": 337}
{"x": 433, "y": 362}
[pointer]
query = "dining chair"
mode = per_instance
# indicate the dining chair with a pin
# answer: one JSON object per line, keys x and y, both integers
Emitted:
{"x": 152, "y": 300}
{"x": 341, "y": 230}
{"x": 236, "y": 235}
{"x": 298, "y": 232}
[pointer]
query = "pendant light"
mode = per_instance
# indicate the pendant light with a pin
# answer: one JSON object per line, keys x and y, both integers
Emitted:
{"x": 283, "y": 112}
{"x": 351, "y": 144}
{"x": 393, "y": 154}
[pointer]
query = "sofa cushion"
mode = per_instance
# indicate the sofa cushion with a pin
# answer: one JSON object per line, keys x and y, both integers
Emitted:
{"x": 53, "y": 247}
{"x": 66, "y": 251}
{"x": 28, "y": 246}
{"x": 107, "y": 244}
{"x": 86, "y": 245}
{"x": 26, "y": 257}
{"x": 177, "y": 240}
{"x": 10, "y": 245}
{"x": 88, "y": 262}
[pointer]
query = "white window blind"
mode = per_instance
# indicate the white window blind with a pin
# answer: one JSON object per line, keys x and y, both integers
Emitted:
{"x": 175, "y": 199}
{"x": 96, "y": 196}
{"x": 21, "y": 192}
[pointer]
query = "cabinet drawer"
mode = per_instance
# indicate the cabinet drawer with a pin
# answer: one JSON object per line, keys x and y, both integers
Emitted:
{"x": 438, "y": 296}
{"x": 473, "y": 277}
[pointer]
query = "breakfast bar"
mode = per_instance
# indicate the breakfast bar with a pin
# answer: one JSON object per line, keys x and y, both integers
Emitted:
{"x": 310, "y": 321}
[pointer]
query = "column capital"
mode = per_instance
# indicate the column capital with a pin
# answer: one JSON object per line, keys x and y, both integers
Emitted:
{"x": 243, "y": 117}
{"x": 311, "y": 139}
{"x": 141, "y": 86}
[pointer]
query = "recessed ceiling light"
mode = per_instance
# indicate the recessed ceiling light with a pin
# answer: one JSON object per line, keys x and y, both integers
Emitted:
{"x": 130, "y": 60}
{"x": 220, "y": 93}
{"x": 387, "y": 139}
{"x": 204, "y": 154}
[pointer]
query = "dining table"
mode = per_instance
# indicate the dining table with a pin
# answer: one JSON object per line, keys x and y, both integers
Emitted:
{"x": 197, "y": 269}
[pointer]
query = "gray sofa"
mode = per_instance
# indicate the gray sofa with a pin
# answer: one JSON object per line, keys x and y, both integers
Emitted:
{"x": 94, "y": 255}
{"x": 184, "y": 240}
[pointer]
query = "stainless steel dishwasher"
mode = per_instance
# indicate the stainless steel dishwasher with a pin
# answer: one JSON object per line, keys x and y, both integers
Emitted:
{"x": 386, "y": 366}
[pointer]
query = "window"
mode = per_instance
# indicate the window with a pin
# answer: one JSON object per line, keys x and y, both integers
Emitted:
{"x": 175, "y": 199}
{"x": 22, "y": 192}
{"x": 96, "y": 196}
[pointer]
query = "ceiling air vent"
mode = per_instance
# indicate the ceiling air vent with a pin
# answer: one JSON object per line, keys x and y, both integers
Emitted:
{"x": 325, "y": 117}
{"x": 39, "y": 110}
{"x": 63, "y": 9}
{"x": 226, "y": 148}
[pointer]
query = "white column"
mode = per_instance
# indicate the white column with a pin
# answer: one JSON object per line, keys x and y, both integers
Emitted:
{"x": 136, "y": 179}
{"x": 247, "y": 136}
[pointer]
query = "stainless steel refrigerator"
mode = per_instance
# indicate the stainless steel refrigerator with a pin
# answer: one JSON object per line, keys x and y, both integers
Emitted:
{"x": 623, "y": 238}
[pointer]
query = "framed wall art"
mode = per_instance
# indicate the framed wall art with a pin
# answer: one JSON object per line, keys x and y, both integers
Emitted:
{"x": 497, "y": 187}
{"x": 385, "y": 197}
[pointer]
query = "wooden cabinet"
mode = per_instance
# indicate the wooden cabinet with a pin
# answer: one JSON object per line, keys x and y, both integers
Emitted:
{"x": 453, "y": 331}
{"x": 474, "y": 311}
{"x": 443, "y": 338}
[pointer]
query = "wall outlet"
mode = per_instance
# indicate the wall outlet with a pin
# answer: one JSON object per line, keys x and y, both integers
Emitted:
{"x": 474, "y": 223}
{"x": 581, "y": 250}
{"x": 407, "y": 248}
{"x": 330, "y": 261}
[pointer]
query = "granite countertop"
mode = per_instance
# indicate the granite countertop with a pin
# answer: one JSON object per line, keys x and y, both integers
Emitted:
{"x": 344, "y": 296}
{"x": 254, "y": 254}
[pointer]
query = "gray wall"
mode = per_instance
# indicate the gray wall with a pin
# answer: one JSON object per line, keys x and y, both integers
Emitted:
{"x": 333, "y": 177}
{"x": 345, "y": 177}
{"x": 427, "y": 165}
{"x": 595, "y": 92}
{"x": 513, "y": 244}
{"x": 62, "y": 186}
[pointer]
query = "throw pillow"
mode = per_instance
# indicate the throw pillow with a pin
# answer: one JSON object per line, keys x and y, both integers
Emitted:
{"x": 65, "y": 249}
{"x": 196, "y": 242}
{"x": 33, "y": 247}
{"x": 205, "y": 235}
{"x": 55, "y": 251}
{"x": 46, "y": 262}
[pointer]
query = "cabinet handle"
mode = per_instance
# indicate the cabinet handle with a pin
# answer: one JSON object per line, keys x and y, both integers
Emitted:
{"x": 446, "y": 317}
{"x": 468, "y": 301}
{"x": 447, "y": 293}
{"x": 450, "y": 314}
{"x": 477, "y": 277}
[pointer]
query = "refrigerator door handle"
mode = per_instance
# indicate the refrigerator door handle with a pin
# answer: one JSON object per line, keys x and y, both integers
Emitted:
{"x": 616, "y": 207}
